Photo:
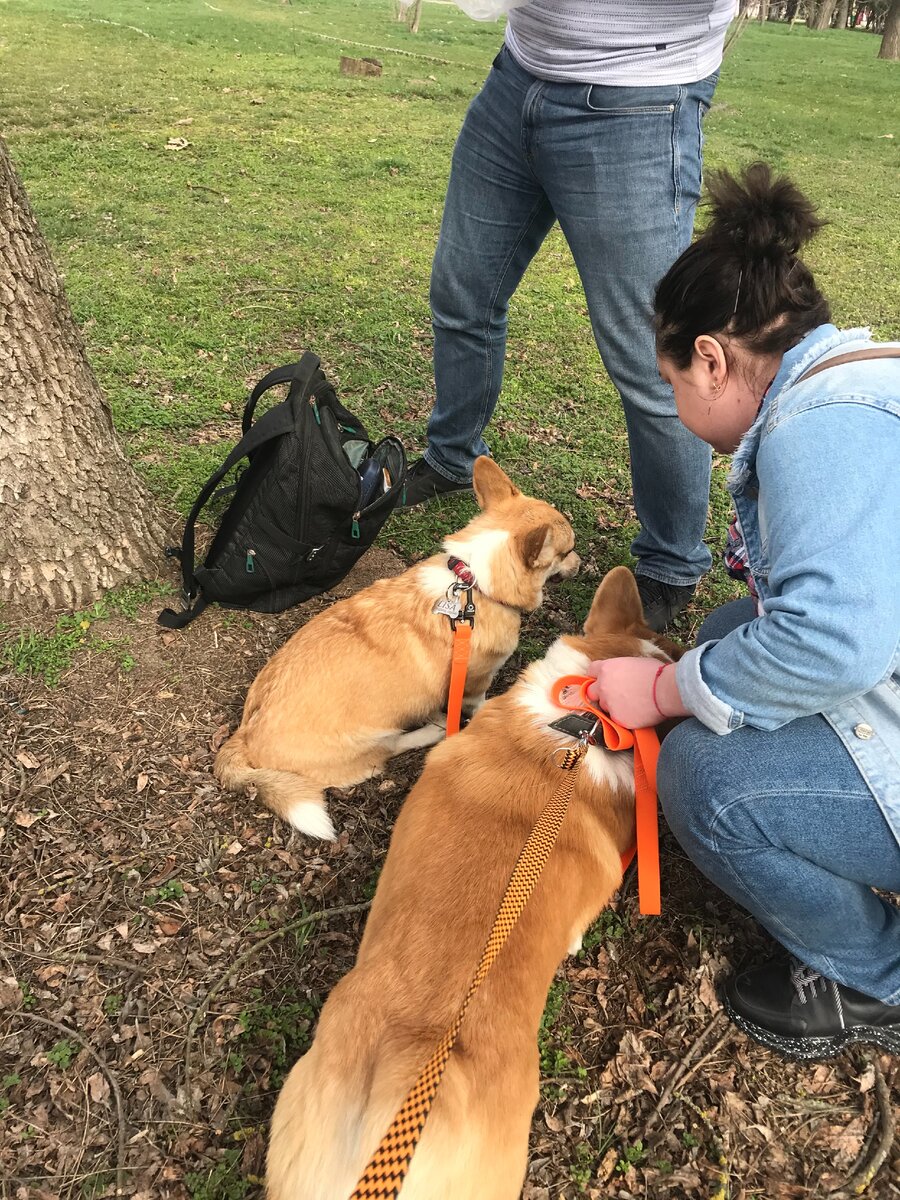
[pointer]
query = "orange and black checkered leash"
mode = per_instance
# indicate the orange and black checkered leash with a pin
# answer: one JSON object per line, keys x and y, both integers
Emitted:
{"x": 383, "y": 1177}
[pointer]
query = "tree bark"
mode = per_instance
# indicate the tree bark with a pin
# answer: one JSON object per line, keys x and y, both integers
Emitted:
{"x": 74, "y": 518}
{"x": 824, "y": 13}
{"x": 763, "y": 11}
{"x": 890, "y": 43}
{"x": 811, "y": 6}
{"x": 843, "y": 15}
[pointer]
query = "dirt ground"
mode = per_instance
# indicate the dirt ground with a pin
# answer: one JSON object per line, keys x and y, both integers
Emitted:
{"x": 166, "y": 946}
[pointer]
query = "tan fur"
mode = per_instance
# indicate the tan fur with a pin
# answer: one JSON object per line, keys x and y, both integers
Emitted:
{"x": 453, "y": 848}
{"x": 367, "y": 678}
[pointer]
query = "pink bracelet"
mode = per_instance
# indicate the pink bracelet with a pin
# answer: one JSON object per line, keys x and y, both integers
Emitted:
{"x": 653, "y": 690}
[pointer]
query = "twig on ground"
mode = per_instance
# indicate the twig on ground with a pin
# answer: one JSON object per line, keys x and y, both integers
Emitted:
{"x": 701, "y": 1062}
{"x": 200, "y": 1015}
{"x": 68, "y": 1032}
{"x": 79, "y": 956}
{"x": 884, "y": 1122}
{"x": 201, "y": 187}
{"x": 721, "y": 1191}
{"x": 680, "y": 1069}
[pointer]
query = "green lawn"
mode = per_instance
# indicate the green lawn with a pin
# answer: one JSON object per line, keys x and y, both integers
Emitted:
{"x": 304, "y": 209}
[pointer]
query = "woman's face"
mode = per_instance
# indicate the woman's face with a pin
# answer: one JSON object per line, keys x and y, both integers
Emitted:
{"x": 717, "y": 397}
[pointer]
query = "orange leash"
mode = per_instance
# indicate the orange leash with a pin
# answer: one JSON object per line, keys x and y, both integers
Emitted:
{"x": 459, "y": 665}
{"x": 570, "y": 692}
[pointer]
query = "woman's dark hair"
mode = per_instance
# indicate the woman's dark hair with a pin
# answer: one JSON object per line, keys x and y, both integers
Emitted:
{"x": 742, "y": 275}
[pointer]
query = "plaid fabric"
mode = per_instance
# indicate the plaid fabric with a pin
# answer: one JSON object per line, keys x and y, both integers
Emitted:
{"x": 735, "y": 557}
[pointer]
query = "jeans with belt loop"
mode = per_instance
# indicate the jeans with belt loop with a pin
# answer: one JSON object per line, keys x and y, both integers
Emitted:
{"x": 783, "y": 822}
{"x": 620, "y": 169}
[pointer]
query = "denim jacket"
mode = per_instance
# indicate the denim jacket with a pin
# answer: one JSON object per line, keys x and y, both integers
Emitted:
{"x": 816, "y": 486}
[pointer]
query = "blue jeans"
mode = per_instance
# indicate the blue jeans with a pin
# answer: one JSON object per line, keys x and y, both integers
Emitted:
{"x": 783, "y": 823}
{"x": 619, "y": 168}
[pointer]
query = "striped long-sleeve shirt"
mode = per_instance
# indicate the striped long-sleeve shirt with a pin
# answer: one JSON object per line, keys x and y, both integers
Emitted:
{"x": 637, "y": 44}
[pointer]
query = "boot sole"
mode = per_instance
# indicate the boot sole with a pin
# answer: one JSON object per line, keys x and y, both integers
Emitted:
{"x": 404, "y": 503}
{"x": 808, "y": 1049}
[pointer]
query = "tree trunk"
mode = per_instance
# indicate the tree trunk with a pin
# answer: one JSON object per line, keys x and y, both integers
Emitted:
{"x": 890, "y": 43}
{"x": 415, "y": 16}
{"x": 74, "y": 518}
{"x": 763, "y": 10}
{"x": 843, "y": 14}
{"x": 824, "y": 13}
{"x": 811, "y": 7}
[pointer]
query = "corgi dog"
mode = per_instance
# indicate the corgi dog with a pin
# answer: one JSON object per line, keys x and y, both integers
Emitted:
{"x": 453, "y": 849}
{"x": 368, "y": 678}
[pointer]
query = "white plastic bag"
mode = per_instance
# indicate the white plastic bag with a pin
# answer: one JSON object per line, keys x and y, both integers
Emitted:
{"x": 488, "y": 10}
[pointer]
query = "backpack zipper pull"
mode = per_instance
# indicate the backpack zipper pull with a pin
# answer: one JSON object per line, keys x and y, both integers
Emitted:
{"x": 315, "y": 409}
{"x": 354, "y": 527}
{"x": 251, "y": 565}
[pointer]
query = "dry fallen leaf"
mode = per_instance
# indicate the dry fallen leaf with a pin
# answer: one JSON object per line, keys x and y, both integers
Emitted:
{"x": 98, "y": 1087}
{"x": 27, "y": 760}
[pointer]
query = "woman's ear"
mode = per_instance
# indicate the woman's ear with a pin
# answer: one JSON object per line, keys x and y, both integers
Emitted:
{"x": 710, "y": 362}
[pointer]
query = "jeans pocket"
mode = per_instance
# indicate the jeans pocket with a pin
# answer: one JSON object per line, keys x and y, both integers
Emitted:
{"x": 613, "y": 102}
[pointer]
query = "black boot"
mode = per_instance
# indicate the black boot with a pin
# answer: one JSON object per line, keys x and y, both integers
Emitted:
{"x": 662, "y": 601}
{"x": 423, "y": 483}
{"x": 794, "y": 1010}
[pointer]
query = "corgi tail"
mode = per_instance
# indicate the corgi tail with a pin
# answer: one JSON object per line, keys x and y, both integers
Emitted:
{"x": 290, "y": 796}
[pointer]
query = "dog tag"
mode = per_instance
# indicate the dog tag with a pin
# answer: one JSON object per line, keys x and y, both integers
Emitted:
{"x": 449, "y": 606}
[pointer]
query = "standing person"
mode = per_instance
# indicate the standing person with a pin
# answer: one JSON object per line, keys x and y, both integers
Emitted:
{"x": 591, "y": 116}
{"x": 785, "y": 787}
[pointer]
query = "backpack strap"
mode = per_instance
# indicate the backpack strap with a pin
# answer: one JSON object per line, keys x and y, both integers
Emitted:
{"x": 851, "y": 356}
{"x": 276, "y": 422}
{"x": 301, "y": 372}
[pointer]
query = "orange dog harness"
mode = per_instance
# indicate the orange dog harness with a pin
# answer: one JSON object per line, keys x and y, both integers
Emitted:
{"x": 570, "y": 692}
{"x": 383, "y": 1177}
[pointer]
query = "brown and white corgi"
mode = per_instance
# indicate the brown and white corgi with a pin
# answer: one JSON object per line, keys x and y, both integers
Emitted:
{"x": 453, "y": 849}
{"x": 368, "y": 678}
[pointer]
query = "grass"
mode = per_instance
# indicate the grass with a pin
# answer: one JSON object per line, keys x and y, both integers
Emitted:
{"x": 49, "y": 653}
{"x": 304, "y": 209}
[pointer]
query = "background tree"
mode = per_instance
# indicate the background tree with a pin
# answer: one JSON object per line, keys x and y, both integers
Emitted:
{"x": 74, "y": 518}
{"x": 890, "y": 43}
{"x": 824, "y": 13}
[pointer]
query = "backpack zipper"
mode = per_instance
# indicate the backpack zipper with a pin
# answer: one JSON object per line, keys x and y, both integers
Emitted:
{"x": 354, "y": 527}
{"x": 251, "y": 565}
{"x": 315, "y": 407}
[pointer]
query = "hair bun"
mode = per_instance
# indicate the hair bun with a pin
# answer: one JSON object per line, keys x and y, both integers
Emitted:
{"x": 761, "y": 215}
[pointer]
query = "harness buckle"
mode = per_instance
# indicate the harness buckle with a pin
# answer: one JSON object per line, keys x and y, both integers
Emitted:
{"x": 467, "y": 611}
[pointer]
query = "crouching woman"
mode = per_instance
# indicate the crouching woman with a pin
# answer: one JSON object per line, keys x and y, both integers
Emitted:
{"x": 784, "y": 788}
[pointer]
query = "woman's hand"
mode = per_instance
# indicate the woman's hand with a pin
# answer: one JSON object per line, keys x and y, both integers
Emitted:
{"x": 636, "y": 692}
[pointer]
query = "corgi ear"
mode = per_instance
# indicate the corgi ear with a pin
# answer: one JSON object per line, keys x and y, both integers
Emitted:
{"x": 536, "y": 547}
{"x": 616, "y": 606}
{"x": 490, "y": 483}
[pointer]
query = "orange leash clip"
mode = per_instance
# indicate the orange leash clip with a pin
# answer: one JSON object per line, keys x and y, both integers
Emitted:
{"x": 570, "y": 693}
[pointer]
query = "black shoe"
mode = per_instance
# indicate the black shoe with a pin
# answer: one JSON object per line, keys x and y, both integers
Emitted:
{"x": 423, "y": 483}
{"x": 662, "y": 601}
{"x": 794, "y": 1010}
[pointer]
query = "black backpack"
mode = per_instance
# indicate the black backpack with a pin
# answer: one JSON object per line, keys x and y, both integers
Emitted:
{"x": 311, "y": 500}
